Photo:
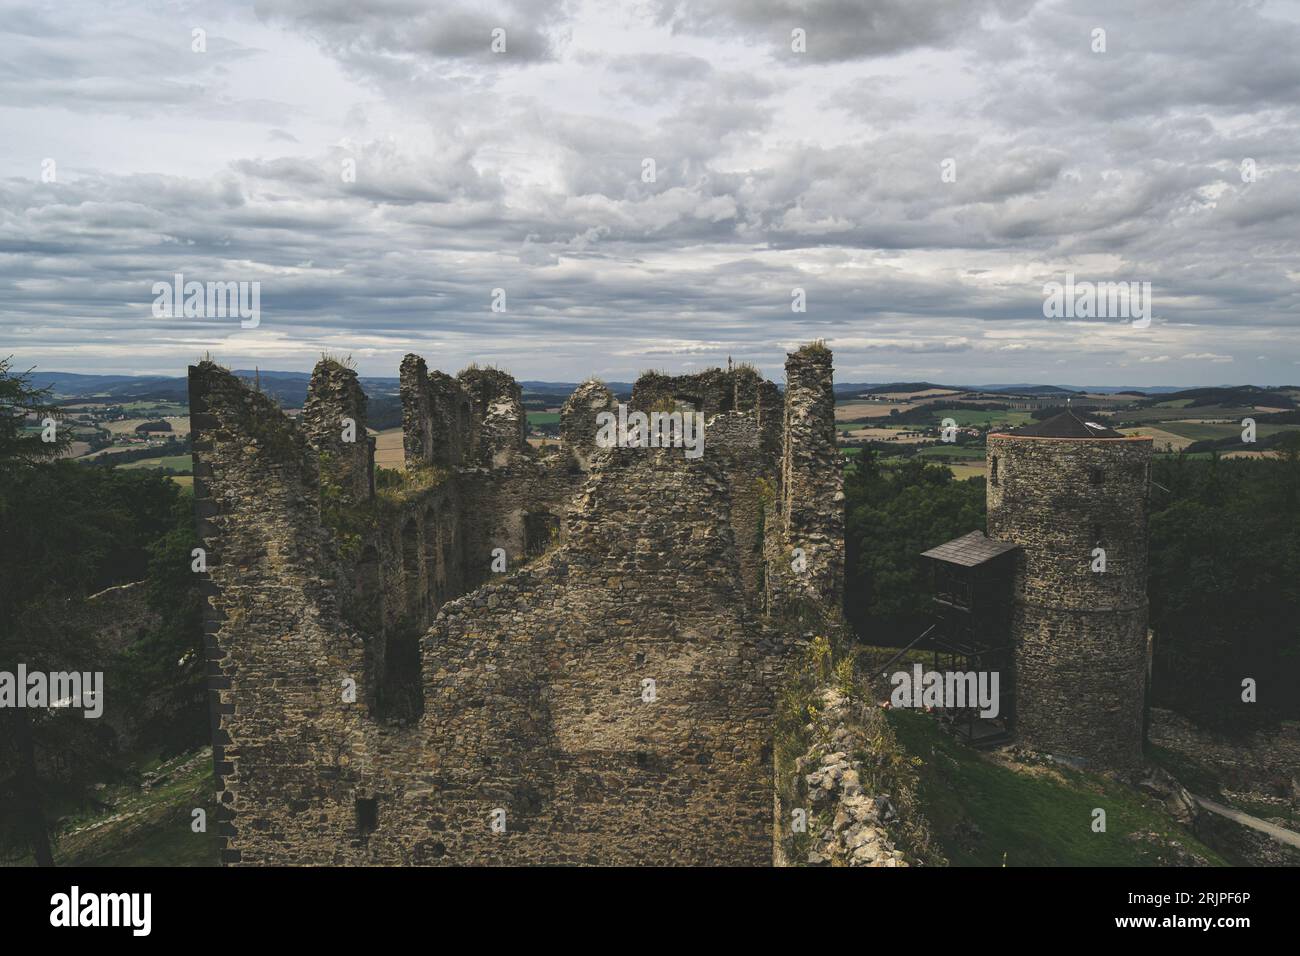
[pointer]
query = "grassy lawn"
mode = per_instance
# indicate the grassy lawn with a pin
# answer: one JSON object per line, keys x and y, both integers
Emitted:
{"x": 987, "y": 814}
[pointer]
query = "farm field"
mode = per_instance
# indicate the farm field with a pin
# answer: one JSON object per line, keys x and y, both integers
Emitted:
{"x": 859, "y": 410}
{"x": 389, "y": 452}
{"x": 175, "y": 462}
{"x": 1199, "y": 431}
{"x": 913, "y": 396}
{"x": 972, "y": 452}
{"x": 543, "y": 418}
{"x": 180, "y": 425}
{"x": 1201, "y": 413}
{"x": 1162, "y": 440}
{"x": 992, "y": 418}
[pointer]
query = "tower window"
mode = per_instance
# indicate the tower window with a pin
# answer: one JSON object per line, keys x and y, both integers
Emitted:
{"x": 367, "y": 815}
{"x": 1096, "y": 476}
{"x": 1097, "y": 539}
{"x": 993, "y": 470}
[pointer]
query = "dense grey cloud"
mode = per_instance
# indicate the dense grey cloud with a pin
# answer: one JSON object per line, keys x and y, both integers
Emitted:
{"x": 650, "y": 184}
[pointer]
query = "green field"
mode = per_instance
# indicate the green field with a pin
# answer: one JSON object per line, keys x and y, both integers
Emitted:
{"x": 1152, "y": 415}
{"x": 543, "y": 418}
{"x": 159, "y": 408}
{"x": 967, "y": 417}
{"x": 953, "y": 451}
{"x": 1198, "y": 431}
{"x": 174, "y": 462}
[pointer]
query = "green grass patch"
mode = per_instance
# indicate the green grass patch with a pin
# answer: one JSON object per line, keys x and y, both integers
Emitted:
{"x": 543, "y": 418}
{"x": 149, "y": 828}
{"x": 174, "y": 462}
{"x": 991, "y": 418}
{"x": 953, "y": 451}
{"x": 984, "y": 814}
{"x": 161, "y": 408}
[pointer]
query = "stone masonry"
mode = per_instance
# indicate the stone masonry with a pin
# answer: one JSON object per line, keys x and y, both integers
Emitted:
{"x": 385, "y": 692}
{"x": 1080, "y": 635}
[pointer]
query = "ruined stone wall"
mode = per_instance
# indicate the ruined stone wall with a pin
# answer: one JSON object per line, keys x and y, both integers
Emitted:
{"x": 276, "y": 651}
{"x": 1080, "y": 635}
{"x": 736, "y": 440}
{"x": 806, "y": 540}
{"x": 536, "y": 701}
{"x": 439, "y": 422}
{"x": 334, "y": 419}
{"x": 611, "y": 692}
{"x": 499, "y": 411}
{"x": 578, "y": 425}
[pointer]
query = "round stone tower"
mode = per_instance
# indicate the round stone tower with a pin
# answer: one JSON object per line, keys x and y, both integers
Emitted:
{"x": 1073, "y": 495}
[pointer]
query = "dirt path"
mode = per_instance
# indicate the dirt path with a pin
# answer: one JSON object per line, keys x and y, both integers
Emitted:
{"x": 1272, "y": 829}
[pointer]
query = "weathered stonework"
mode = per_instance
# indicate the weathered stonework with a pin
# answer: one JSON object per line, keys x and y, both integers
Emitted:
{"x": 607, "y": 698}
{"x": 1080, "y": 635}
{"x": 805, "y": 545}
{"x": 578, "y": 425}
{"x": 849, "y": 827}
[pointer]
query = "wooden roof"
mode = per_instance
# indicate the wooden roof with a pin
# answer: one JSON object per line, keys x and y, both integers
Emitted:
{"x": 970, "y": 550}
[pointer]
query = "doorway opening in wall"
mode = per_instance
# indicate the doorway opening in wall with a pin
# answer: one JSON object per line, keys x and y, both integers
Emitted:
{"x": 399, "y": 699}
{"x": 540, "y": 531}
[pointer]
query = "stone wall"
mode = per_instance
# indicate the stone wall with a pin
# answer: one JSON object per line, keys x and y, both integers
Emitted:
{"x": 805, "y": 541}
{"x": 1080, "y": 635}
{"x": 608, "y": 697}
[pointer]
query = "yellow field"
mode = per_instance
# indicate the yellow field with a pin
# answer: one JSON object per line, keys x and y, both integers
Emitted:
{"x": 1161, "y": 439}
{"x": 885, "y": 434}
{"x": 389, "y": 452}
{"x": 1252, "y": 454}
{"x": 180, "y": 424}
{"x": 851, "y": 411}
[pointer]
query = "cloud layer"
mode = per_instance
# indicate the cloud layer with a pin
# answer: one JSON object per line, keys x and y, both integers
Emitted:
{"x": 649, "y": 185}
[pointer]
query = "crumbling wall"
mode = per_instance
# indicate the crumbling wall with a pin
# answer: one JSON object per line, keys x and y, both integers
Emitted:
{"x": 499, "y": 410}
{"x": 611, "y": 693}
{"x": 537, "y": 701}
{"x": 578, "y": 425}
{"x": 805, "y": 539}
{"x": 439, "y": 422}
{"x": 276, "y": 651}
{"x": 334, "y": 419}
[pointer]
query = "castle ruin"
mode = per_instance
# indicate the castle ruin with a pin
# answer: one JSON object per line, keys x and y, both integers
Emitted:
{"x": 1073, "y": 496}
{"x": 508, "y": 655}
{"x": 1054, "y": 596}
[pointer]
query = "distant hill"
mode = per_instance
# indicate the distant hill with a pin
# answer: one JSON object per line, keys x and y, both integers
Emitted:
{"x": 290, "y": 389}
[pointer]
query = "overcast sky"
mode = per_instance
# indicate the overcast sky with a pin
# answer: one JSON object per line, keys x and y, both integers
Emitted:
{"x": 775, "y": 169}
